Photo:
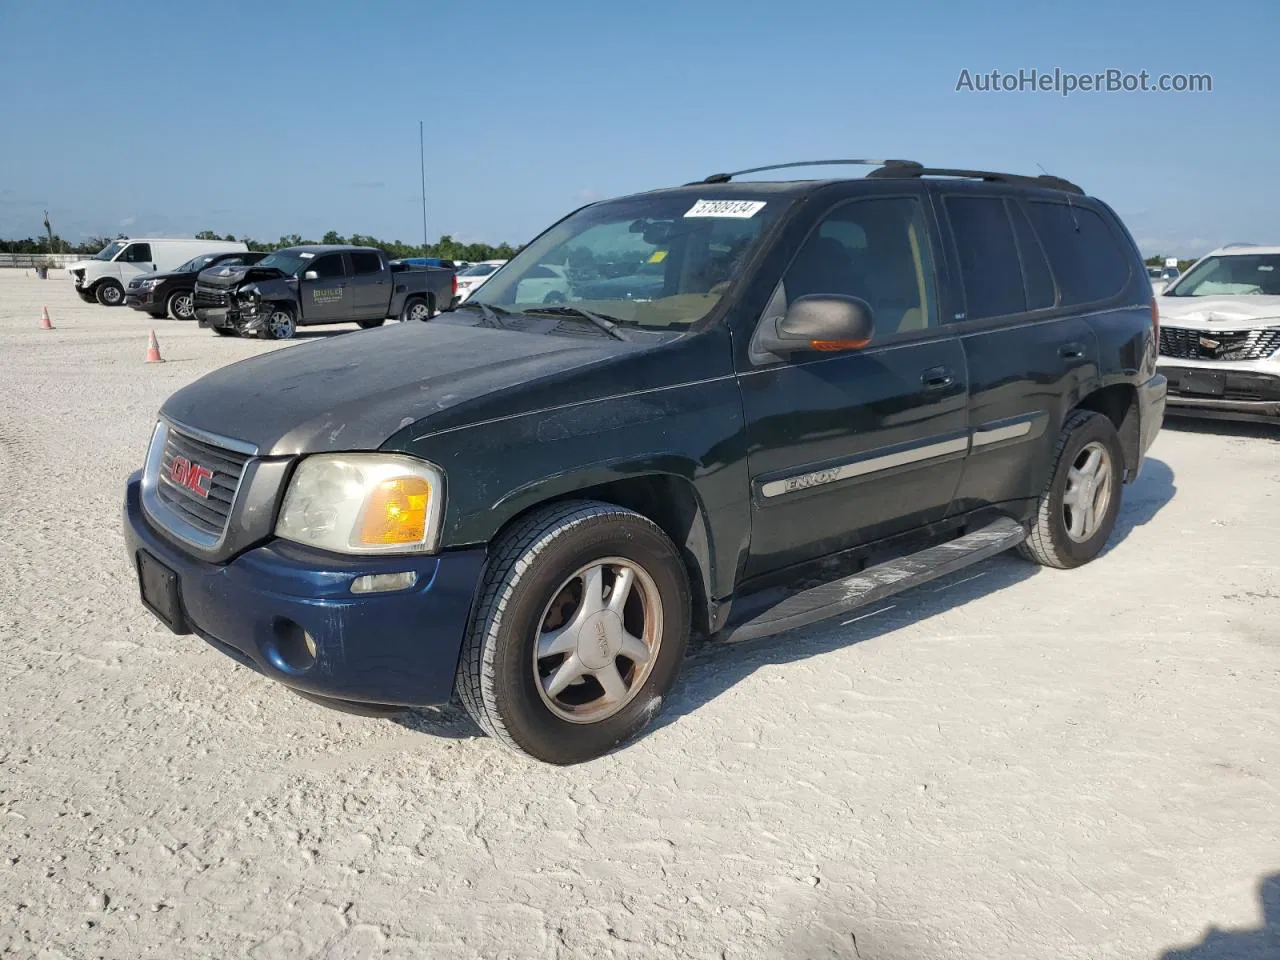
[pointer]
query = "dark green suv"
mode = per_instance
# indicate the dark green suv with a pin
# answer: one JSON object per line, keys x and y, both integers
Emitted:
{"x": 727, "y": 408}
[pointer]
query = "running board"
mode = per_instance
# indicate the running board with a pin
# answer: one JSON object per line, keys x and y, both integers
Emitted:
{"x": 878, "y": 582}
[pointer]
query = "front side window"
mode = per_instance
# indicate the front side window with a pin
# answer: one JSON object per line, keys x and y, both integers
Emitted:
{"x": 1251, "y": 274}
{"x": 661, "y": 262}
{"x": 329, "y": 267}
{"x": 876, "y": 250}
{"x": 137, "y": 253}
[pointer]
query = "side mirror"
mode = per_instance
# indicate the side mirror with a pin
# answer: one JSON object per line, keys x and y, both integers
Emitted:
{"x": 820, "y": 322}
{"x": 311, "y": 275}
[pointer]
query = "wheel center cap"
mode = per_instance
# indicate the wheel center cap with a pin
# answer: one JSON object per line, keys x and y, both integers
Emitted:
{"x": 600, "y": 639}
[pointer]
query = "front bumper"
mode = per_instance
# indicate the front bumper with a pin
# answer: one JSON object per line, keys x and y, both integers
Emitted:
{"x": 142, "y": 300}
{"x": 1247, "y": 390}
{"x": 397, "y": 648}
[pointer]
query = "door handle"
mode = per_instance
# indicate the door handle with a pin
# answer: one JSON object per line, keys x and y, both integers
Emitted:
{"x": 935, "y": 378}
{"x": 1071, "y": 351}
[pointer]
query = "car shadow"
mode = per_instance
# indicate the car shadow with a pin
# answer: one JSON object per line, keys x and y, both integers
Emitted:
{"x": 1258, "y": 944}
{"x": 1245, "y": 429}
{"x": 713, "y": 665}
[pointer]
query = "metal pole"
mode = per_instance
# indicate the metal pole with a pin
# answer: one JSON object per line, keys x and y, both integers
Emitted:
{"x": 422, "y": 163}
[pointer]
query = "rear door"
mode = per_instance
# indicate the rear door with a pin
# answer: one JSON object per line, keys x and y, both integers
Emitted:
{"x": 852, "y": 447}
{"x": 327, "y": 298}
{"x": 1030, "y": 355}
{"x": 370, "y": 285}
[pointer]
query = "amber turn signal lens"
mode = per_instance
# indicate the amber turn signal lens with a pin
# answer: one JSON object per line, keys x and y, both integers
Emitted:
{"x": 396, "y": 512}
{"x": 838, "y": 344}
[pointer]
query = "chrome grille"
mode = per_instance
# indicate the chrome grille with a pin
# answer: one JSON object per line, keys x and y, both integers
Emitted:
{"x": 210, "y": 297}
{"x": 207, "y": 514}
{"x": 1183, "y": 344}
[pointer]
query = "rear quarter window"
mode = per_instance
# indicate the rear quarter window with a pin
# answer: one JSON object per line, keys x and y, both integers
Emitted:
{"x": 1084, "y": 252}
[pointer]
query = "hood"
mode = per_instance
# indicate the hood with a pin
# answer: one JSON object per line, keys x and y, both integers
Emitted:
{"x": 354, "y": 391}
{"x": 232, "y": 275}
{"x": 1220, "y": 313}
{"x": 158, "y": 275}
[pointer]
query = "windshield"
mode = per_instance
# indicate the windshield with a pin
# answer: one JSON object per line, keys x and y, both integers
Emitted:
{"x": 195, "y": 264}
{"x": 1240, "y": 275}
{"x": 286, "y": 261}
{"x": 479, "y": 270}
{"x": 111, "y": 249}
{"x": 660, "y": 262}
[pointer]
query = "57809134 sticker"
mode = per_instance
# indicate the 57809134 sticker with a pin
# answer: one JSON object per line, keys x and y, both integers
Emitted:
{"x": 733, "y": 209}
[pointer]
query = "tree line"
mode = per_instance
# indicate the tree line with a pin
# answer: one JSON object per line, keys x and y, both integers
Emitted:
{"x": 446, "y": 248}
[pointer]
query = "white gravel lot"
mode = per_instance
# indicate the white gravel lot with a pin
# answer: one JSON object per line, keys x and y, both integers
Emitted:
{"x": 1013, "y": 763}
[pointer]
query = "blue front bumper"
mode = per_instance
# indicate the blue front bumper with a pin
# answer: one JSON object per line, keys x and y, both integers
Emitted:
{"x": 397, "y": 648}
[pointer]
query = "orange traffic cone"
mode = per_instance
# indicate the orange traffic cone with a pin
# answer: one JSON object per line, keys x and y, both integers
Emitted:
{"x": 153, "y": 350}
{"x": 45, "y": 322}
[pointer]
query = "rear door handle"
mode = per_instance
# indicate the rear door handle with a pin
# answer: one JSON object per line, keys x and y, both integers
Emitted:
{"x": 935, "y": 378}
{"x": 1071, "y": 351}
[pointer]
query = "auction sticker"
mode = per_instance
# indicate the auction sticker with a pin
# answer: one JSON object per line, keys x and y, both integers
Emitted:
{"x": 734, "y": 209}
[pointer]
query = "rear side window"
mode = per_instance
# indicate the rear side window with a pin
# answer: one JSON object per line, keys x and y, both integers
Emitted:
{"x": 1035, "y": 268}
{"x": 1086, "y": 256}
{"x": 988, "y": 256}
{"x": 330, "y": 267}
{"x": 365, "y": 263}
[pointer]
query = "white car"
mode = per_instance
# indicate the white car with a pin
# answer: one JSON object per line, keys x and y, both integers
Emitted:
{"x": 470, "y": 279}
{"x": 104, "y": 277}
{"x": 1220, "y": 335}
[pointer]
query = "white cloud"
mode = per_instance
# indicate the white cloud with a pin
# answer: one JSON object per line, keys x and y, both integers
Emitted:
{"x": 128, "y": 221}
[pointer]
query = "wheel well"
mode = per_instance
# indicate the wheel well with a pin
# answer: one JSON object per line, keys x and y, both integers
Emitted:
{"x": 1119, "y": 404}
{"x": 671, "y": 503}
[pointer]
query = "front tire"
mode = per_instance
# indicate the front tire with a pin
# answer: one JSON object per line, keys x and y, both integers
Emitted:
{"x": 181, "y": 305}
{"x": 109, "y": 293}
{"x": 280, "y": 323}
{"x": 579, "y": 632}
{"x": 1078, "y": 509}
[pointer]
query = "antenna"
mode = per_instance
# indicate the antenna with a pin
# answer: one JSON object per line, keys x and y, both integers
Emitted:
{"x": 422, "y": 164}
{"x": 1075, "y": 221}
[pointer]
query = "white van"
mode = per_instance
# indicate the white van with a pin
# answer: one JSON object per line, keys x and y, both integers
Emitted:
{"x": 104, "y": 277}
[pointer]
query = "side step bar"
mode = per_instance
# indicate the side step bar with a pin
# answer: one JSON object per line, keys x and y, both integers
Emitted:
{"x": 875, "y": 583}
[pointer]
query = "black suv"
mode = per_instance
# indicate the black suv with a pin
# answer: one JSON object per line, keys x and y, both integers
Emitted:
{"x": 170, "y": 293}
{"x": 724, "y": 408}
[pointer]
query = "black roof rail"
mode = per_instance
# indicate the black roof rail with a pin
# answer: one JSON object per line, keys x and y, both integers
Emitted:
{"x": 914, "y": 170}
{"x": 726, "y": 177}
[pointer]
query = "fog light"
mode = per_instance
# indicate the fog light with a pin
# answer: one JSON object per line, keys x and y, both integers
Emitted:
{"x": 384, "y": 582}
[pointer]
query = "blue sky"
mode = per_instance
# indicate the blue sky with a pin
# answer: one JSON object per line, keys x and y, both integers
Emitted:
{"x": 267, "y": 118}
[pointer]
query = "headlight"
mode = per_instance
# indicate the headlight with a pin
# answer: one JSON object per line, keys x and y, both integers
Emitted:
{"x": 150, "y": 284}
{"x": 363, "y": 503}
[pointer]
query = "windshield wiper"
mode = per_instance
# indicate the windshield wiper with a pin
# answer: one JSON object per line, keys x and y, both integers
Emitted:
{"x": 489, "y": 313}
{"x": 604, "y": 323}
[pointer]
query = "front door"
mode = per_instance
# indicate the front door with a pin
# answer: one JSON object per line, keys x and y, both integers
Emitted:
{"x": 851, "y": 447}
{"x": 135, "y": 260}
{"x": 327, "y": 298}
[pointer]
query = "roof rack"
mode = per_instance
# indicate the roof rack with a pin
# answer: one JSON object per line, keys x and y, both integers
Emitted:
{"x": 883, "y": 164}
{"x": 908, "y": 169}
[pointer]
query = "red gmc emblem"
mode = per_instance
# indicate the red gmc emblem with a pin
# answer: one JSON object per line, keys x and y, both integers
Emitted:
{"x": 192, "y": 476}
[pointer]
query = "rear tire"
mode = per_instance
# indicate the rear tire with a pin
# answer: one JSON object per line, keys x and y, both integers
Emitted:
{"x": 415, "y": 308}
{"x": 1079, "y": 505}
{"x": 109, "y": 293}
{"x": 557, "y": 600}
